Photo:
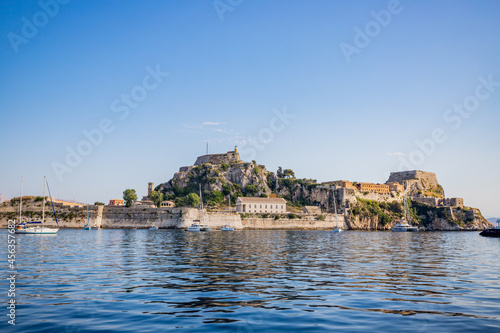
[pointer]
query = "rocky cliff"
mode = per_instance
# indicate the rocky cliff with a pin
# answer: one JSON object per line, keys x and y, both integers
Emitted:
{"x": 430, "y": 209}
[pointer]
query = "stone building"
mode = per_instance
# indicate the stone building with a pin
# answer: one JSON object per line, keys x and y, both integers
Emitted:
{"x": 260, "y": 205}
{"x": 116, "y": 202}
{"x": 167, "y": 203}
{"x": 340, "y": 183}
{"x": 395, "y": 187}
{"x": 370, "y": 187}
{"x": 439, "y": 202}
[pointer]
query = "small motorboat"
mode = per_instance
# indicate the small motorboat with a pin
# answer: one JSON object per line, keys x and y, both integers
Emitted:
{"x": 492, "y": 232}
{"x": 227, "y": 228}
{"x": 153, "y": 227}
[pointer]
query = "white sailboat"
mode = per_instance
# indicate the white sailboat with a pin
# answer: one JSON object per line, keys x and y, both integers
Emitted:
{"x": 228, "y": 227}
{"x": 35, "y": 227}
{"x": 403, "y": 225}
{"x": 87, "y": 226}
{"x": 337, "y": 228}
{"x": 197, "y": 226}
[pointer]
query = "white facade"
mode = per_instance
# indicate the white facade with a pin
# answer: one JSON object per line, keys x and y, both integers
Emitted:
{"x": 260, "y": 205}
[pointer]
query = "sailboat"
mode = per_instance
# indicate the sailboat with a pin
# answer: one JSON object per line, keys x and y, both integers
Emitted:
{"x": 403, "y": 225}
{"x": 36, "y": 227}
{"x": 337, "y": 228}
{"x": 87, "y": 226}
{"x": 196, "y": 226}
{"x": 228, "y": 227}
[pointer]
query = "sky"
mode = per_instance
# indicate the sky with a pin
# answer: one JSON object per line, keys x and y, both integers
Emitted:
{"x": 102, "y": 96}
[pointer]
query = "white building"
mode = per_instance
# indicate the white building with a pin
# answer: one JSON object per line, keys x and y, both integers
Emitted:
{"x": 260, "y": 205}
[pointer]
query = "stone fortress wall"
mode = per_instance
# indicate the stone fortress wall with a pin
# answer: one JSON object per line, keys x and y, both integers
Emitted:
{"x": 229, "y": 157}
{"x": 401, "y": 176}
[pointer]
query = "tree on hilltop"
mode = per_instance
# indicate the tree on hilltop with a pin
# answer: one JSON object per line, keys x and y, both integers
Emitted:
{"x": 288, "y": 173}
{"x": 129, "y": 196}
{"x": 279, "y": 173}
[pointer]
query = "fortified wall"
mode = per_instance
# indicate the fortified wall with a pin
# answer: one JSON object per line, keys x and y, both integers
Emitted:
{"x": 229, "y": 157}
{"x": 428, "y": 177}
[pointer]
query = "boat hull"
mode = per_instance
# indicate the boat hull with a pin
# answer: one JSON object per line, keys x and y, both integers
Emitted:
{"x": 490, "y": 233}
{"x": 37, "y": 231}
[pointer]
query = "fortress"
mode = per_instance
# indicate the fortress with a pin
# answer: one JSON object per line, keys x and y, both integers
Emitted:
{"x": 401, "y": 176}
{"x": 227, "y": 158}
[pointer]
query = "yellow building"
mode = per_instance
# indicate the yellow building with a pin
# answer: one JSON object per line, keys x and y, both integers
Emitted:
{"x": 370, "y": 187}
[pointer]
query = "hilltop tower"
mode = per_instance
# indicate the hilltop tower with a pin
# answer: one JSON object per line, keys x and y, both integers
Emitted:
{"x": 150, "y": 187}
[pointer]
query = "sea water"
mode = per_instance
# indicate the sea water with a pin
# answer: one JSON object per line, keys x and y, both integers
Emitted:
{"x": 253, "y": 281}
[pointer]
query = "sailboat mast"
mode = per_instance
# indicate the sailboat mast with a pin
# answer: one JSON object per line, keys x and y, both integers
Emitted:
{"x": 404, "y": 201}
{"x": 335, "y": 207}
{"x": 21, "y": 201}
{"x": 43, "y": 207}
{"x": 201, "y": 202}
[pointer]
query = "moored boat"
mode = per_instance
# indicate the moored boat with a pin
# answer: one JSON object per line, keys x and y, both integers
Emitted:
{"x": 36, "y": 227}
{"x": 195, "y": 227}
{"x": 492, "y": 232}
{"x": 404, "y": 225}
{"x": 227, "y": 228}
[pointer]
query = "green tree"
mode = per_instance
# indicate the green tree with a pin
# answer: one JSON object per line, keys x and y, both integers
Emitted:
{"x": 156, "y": 197}
{"x": 227, "y": 189}
{"x": 129, "y": 196}
{"x": 192, "y": 199}
{"x": 279, "y": 173}
{"x": 98, "y": 203}
{"x": 251, "y": 190}
{"x": 288, "y": 173}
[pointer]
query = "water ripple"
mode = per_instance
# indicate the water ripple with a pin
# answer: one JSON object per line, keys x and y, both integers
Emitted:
{"x": 141, "y": 280}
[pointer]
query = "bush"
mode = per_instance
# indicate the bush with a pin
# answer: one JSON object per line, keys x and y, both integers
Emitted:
{"x": 98, "y": 203}
{"x": 292, "y": 216}
{"x": 276, "y": 217}
{"x": 227, "y": 189}
{"x": 224, "y": 166}
{"x": 320, "y": 218}
{"x": 251, "y": 190}
{"x": 38, "y": 199}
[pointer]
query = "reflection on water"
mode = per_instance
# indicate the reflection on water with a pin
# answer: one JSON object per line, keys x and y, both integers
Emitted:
{"x": 248, "y": 281}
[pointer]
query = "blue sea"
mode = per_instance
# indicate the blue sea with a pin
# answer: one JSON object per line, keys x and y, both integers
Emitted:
{"x": 253, "y": 281}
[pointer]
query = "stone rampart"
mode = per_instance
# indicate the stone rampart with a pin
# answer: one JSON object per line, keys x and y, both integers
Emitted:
{"x": 229, "y": 157}
{"x": 429, "y": 178}
{"x": 305, "y": 222}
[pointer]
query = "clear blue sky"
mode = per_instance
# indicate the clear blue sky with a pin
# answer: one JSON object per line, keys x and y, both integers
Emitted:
{"x": 356, "y": 116}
